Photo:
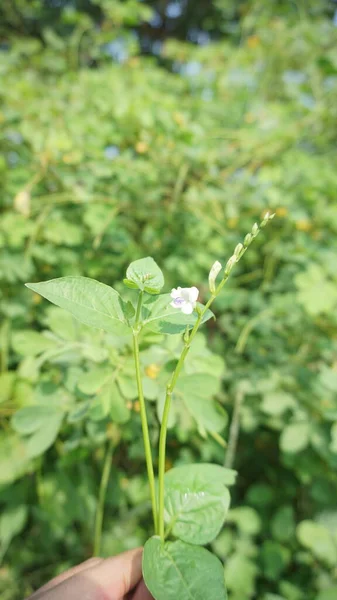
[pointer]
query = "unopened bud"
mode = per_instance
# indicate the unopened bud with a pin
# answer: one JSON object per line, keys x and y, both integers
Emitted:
{"x": 267, "y": 217}
{"x": 238, "y": 250}
{"x": 255, "y": 229}
{"x": 214, "y": 272}
{"x": 230, "y": 264}
{"x": 248, "y": 239}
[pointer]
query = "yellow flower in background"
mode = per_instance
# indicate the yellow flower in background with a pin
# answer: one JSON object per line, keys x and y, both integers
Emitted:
{"x": 141, "y": 147}
{"x": 253, "y": 41}
{"x": 303, "y": 225}
{"x": 152, "y": 371}
{"x": 281, "y": 211}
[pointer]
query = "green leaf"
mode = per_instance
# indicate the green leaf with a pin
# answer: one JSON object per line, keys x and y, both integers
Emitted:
{"x": 93, "y": 381}
{"x": 319, "y": 540}
{"x": 316, "y": 292}
{"x": 328, "y": 594}
{"x": 118, "y": 409}
{"x": 14, "y": 459}
{"x": 145, "y": 275}
{"x": 31, "y": 343}
{"x": 44, "y": 438}
{"x": 274, "y": 558}
{"x": 246, "y": 519}
{"x": 151, "y": 388}
{"x": 276, "y": 403}
{"x": 31, "y": 418}
{"x": 43, "y": 422}
{"x": 241, "y": 573}
{"x": 295, "y": 437}
{"x": 128, "y": 309}
{"x": 12, "y": 521}
{"x": 176, "y": 570}
{"x": 79, "y": 412}
{"x": 197, "y": 391}
{"x": 161, "y": 317}
{"x": 197, "y": 501}
{"x": 91, "y": 302}
{"x": 283, "y": 523}
{"x": 128, "y": 386}
{"x": 6, "y": 386}
{"x": 328, "y": 377}
{"x": 109, "y": 402}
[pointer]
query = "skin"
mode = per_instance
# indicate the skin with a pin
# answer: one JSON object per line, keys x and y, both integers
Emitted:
{"x": 117, "y": 578}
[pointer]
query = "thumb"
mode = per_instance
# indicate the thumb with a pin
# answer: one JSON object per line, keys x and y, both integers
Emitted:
{"x": 109, "y": 579}
{"x": 118, "y": 575}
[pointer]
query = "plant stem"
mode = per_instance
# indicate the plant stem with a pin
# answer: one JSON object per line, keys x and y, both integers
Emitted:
{"x": 101, "y": 498}
{"x": 139, "y": 309}
{"x": 143, "y": 416}
{"x": 234, "y": 430}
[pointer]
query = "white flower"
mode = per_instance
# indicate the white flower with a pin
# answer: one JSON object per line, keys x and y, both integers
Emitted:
{"x": 185, "y": 299}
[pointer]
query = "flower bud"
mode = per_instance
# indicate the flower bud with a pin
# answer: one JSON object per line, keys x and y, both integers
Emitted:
{"x": 230, "y": 264}
{"x": 248, "y": 239}
{"x": 255, "y": 229}
{"x": 214, "y": 272}
{"x": 267, "y": 217}
{"x": 237, "y": 250}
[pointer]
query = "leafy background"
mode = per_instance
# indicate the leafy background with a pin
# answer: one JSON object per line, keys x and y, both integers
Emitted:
{"x": 168, "y": 128}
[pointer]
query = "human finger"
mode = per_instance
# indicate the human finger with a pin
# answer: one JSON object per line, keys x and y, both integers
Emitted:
{"x": 88, "y": 564}
{"x": 142, "y": 593}
{"x": 118, "y": 575}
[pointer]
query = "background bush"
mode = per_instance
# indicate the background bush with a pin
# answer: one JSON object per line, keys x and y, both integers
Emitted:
{"x": 132, "y": 128}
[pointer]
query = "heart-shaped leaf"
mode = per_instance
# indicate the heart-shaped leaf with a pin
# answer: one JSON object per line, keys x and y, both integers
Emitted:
{"x": 176, "y": 571}
{"x": 197, "y": 501}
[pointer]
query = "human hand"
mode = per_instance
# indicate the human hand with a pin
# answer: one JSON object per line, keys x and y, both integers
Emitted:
{"x": 116, "y": 578}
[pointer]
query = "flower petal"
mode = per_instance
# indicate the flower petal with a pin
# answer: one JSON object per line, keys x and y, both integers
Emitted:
{"x": 175, "y": 293}
{"x": 193, "y": 295}
{"x": 185, "y": 293}
{"x": 187, "y": 308}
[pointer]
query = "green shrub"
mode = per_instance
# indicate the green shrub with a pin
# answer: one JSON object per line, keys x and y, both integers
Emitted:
{"x": 102, "y": 166}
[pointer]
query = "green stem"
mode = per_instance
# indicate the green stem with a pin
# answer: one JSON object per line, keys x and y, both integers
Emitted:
{"x": 234, "y": 430}
{"x": 143, "y": 416}
{"x": 139, "y": 308}
{"x": 101, "y": 498}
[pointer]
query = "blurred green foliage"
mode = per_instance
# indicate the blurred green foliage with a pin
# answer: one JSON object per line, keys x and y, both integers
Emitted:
{"x": 106, "y": 157}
